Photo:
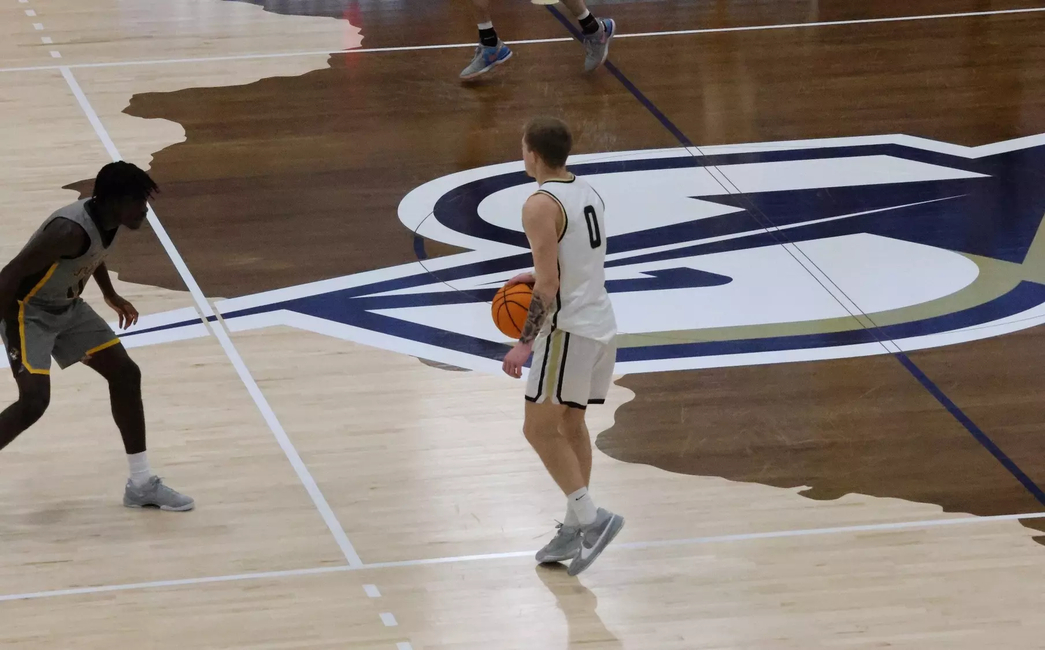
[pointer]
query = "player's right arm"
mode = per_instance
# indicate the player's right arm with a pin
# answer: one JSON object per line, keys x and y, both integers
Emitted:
{"x": 541, "y": 222}
{"x": 61, "y": 238}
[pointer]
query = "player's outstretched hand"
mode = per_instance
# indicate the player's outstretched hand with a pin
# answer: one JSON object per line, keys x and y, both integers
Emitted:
{"x": 522, "y": 278}
{"x": 516, "y": 359}
{"x": 128, "y": 314}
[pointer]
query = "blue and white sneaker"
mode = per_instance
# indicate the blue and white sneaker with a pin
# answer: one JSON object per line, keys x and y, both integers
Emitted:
{"x": 597, "y": 45}
{"x": 486, "y": 59}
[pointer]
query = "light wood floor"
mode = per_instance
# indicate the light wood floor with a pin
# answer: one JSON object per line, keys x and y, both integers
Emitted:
{"x": 427, "y": 503}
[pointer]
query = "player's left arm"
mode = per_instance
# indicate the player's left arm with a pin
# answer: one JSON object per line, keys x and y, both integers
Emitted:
{"x": 128, "y": 314}
{"x": 541, "y": 222}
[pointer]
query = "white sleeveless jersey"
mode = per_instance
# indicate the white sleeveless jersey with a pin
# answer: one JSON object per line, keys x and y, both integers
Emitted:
{"x": 583, "y": 306}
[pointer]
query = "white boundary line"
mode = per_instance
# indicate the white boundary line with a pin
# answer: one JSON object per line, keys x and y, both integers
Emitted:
{"x": 694, "y": 541}
{"x": 536, "y": 41}
{"x": 175, "y": 583}
{"x": 218, "y": 328}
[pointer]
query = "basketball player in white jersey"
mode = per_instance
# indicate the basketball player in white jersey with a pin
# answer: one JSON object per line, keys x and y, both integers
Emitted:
{"x": 570, "y": 331}
{"x": 42, "y": 316}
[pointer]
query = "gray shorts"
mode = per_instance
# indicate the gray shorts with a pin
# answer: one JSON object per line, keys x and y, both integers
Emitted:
{"x": 32, "y": 335}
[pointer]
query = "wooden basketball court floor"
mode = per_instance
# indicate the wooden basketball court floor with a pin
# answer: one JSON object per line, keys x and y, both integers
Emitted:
{"x": 827, "y": 430}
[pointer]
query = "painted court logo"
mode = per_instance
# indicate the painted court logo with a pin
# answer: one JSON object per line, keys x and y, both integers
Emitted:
{"x": 729, "y": 255}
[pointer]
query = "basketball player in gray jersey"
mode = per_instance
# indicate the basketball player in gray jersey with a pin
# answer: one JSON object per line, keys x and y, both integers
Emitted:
{"x": 42, "y": 316}
{"x": 571, "y": 332}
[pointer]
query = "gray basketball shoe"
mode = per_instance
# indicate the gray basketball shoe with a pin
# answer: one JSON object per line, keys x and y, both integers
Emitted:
{"x": 486, "y": 59}
{"x": 155, "y": 493}
{"x": 564, "y": 545}
{"x": 597, "y": 45}
{"x": 594, "y": 540}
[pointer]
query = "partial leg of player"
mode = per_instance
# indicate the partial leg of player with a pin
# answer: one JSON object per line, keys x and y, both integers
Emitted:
{"x": 491, "y": 51}
{"x": 124, "y": 377}
{"x": 34, "y": 395}
{"x": 566, "y": 543}
{"x": 587, "y": 530}
{"x": 597, "y": 33}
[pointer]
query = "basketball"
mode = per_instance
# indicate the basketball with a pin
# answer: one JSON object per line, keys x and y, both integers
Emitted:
{"x": 509, "y": 309}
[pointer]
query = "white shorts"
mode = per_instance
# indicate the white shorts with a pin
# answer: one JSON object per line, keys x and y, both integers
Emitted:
{"x": 570, "y": 370}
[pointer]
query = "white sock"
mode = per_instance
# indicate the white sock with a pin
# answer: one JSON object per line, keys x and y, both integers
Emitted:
{"x": 571, "y": 517}
{"x": 140, "y": 470}
{"x": 584, "y": 15}
{"x": 486, "y": 25}
{"x": 583, "y": 507}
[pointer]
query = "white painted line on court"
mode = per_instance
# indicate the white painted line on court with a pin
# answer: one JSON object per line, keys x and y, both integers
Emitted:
{"x": 836, "y": 23}
{"x": 372, "y": 591}
{"x": 389, "y": 620}
{"x": 718, "y": 539}
{"x": 218, "y": 328}
{"x": 693, "y": 541}
{"x": 450, "y": 560}
{"x": 292, "y": 573}
{"x": 538, "y": 41}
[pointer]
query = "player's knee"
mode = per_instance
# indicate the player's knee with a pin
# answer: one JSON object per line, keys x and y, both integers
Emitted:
{"x": 33, "y": 405}
{"x": 535, "y": 430}
{"x": 529, "y": 430}
{"x": 571, "y": 428}
{"x": 129, "y": 375}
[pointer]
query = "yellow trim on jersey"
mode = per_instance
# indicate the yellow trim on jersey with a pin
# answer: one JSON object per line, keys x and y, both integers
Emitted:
{"x": 41, "y": 283}
{"x": 103, "y": 346}
{"x": 21, "y": 319}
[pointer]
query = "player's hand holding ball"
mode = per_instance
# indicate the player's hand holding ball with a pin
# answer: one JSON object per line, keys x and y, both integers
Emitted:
{"x": 523, "y": 278}
{"x": 510, "y": 307}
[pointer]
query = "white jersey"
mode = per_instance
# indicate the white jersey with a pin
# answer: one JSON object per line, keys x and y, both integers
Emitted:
{"x": 583, "y": 306}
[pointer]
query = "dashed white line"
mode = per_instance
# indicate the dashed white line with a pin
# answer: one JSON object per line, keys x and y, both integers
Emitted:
{"x": 388, "y": 619}
{"x": 55, "y": 54}
{"x": 38, "y": 27}
{"x": 30, "y": 13}
{"x": 46, "y": 40}
{"x": 372, "y": 591}
{"x": 404, "y": 645}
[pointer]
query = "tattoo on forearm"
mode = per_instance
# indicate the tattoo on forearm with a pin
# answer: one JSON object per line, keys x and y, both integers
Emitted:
{"x": 539, "y": 308}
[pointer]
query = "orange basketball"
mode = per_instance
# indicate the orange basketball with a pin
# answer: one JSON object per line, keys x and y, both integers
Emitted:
{"x": 509, "y": 309}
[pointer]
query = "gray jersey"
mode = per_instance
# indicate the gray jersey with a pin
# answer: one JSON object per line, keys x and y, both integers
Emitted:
{"x": 61, "y": 285}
